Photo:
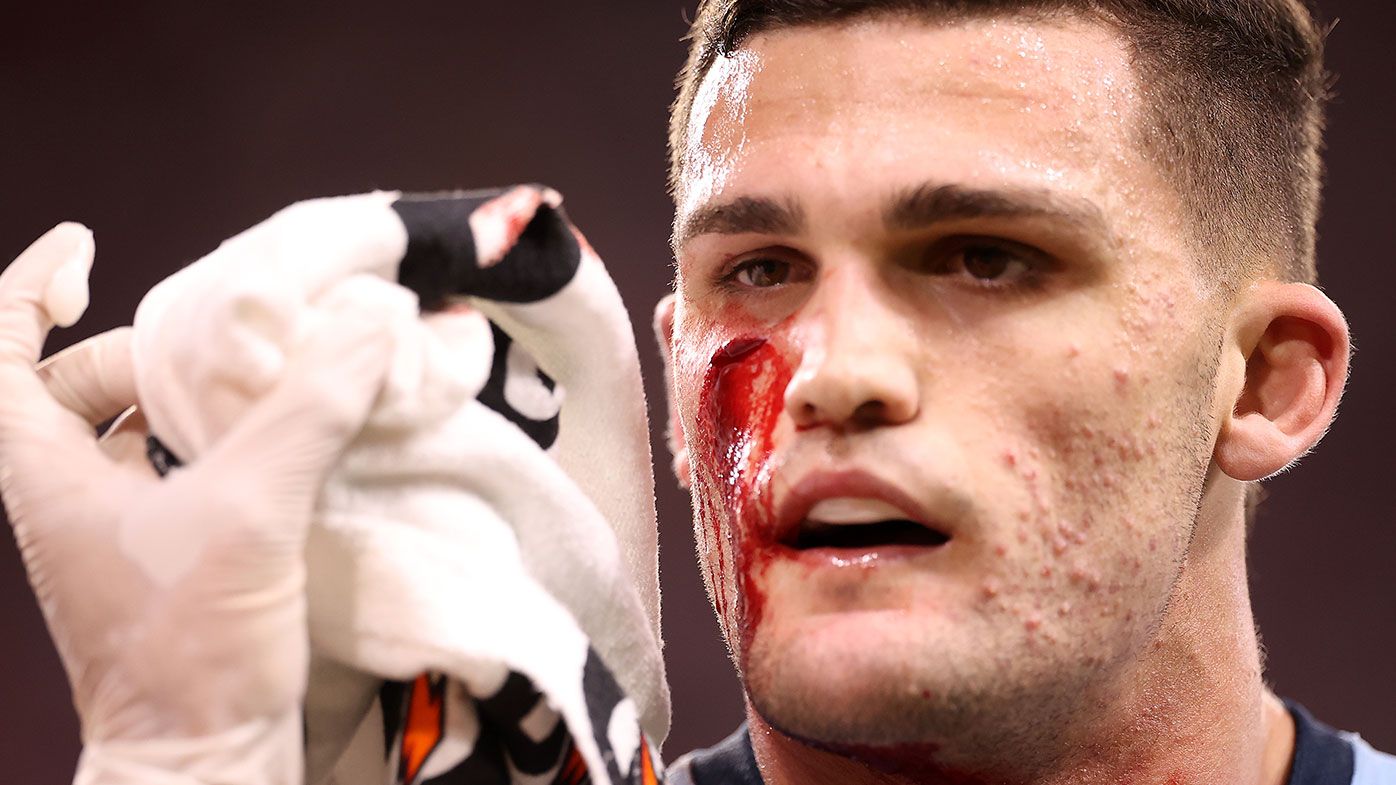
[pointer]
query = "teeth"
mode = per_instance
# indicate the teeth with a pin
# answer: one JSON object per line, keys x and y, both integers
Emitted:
{"x": 846, "y": 510}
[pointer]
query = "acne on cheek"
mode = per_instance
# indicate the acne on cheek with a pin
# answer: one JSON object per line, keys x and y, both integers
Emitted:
{"x": 1036, "y": 521}
{"x": 1085, "y": 577}
{"x": 1071, "y": 432}
{"x": 1094, "y": 464}
{"x": 1121, "y": 379}
{"x": 1075, "y": 463}
{"x": 1150, "y": 313}
{"x": 1122, "y": 373}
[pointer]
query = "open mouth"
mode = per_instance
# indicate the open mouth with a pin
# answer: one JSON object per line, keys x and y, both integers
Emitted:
{"x": 856, "y": 513}
{"x": 869, "y": 535}
{"x": 861, "y": 523}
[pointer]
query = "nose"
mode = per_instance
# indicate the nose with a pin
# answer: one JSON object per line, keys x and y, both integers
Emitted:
{"x": 858, "y": 365}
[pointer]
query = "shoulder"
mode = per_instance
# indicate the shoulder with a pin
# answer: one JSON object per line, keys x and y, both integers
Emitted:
{"x": 729, "y": 762}
{"x": 1324, "y": 756}
{"x": 1370, "y": 767}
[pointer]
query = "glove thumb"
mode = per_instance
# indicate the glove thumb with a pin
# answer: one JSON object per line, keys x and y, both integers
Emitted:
{"x": 49, "y": 279}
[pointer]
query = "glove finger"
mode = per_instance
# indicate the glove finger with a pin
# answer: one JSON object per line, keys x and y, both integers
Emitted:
{"x": 310, "y": 246}
{"x": 125, "y": 441}
{"x": 35, "y": 429}
{"x": 44, "y": 285}
{"x": 285, "y": 445}
{"x": 93, "y": 379}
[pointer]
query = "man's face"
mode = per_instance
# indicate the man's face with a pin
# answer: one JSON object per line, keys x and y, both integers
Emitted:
{"x": 942, "y": 364}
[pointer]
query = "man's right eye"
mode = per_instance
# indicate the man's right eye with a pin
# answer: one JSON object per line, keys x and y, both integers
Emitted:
{"x": 761, "y": 273}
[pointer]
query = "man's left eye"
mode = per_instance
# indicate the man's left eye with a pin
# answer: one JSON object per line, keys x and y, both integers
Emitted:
{"x": 987, "y": 263}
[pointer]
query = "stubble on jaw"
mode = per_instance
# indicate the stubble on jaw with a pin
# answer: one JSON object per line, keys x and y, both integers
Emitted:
{"x": 1046, "y": 710}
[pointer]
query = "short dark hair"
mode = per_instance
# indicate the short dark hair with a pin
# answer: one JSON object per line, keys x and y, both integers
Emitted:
{"x": 1235, "y": 92}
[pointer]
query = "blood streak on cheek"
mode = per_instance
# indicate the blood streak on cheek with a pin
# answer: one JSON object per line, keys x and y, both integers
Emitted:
{"x": 741, "y": 401}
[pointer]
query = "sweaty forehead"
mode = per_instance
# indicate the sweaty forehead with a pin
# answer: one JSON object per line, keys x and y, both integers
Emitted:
{"x": 1034, "y": 101}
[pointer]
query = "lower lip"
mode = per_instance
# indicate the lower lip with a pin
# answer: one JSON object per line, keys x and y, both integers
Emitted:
{"x": 863, "y": 558}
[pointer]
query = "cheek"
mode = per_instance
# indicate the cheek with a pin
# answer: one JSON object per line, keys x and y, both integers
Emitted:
{"x": 730, "y": 427}
{"x": 1105, "y": 458}
{"x": 1108, "y": 420}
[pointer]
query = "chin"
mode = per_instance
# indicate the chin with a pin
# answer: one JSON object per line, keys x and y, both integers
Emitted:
{"x": 853, "y": 678}
{"x": 854, "y": 682}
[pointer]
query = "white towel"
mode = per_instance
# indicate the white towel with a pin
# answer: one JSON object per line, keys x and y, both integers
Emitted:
{"x": 482, "y": 570}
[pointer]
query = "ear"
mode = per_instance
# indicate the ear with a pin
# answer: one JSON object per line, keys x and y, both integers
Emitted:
{"x": 1284, "y": 367}
{"x": 664, "y": 332}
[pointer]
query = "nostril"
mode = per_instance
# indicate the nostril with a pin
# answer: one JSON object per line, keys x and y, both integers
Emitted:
{"x": 869, "y": 412}
{"x": 851, "y": 394}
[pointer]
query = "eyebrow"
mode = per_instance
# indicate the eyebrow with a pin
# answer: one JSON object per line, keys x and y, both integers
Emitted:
{"x": 914, "y": 208}
{"x": 928, "y": 204}
{"x": 743, "y": 215}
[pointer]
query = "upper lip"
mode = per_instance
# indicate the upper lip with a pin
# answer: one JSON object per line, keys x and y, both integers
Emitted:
{"x": 809, "y": 490}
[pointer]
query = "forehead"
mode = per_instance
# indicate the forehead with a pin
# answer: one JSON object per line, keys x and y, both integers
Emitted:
{"x": 842, "y": 113}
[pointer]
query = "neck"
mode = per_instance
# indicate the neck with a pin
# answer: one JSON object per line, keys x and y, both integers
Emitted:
{"x": 1192, "y": 710}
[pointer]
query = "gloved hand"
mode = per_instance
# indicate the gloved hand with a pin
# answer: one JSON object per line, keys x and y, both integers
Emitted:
{"x": 176, "y": 604}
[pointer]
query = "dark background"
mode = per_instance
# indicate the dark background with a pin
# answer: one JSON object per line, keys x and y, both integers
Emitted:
{"x": 167, "y": 127}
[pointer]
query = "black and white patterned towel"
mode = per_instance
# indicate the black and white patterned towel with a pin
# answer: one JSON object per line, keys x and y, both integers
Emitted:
{"x": 482, "y": 570}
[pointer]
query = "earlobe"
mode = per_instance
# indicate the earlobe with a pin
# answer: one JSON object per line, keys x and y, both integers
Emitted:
{"x": 664, "y": 333}
{"x": 1288, "y": 351}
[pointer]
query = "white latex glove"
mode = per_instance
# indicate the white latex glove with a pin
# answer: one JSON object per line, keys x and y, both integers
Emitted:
{"x": 176, "y": 604}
